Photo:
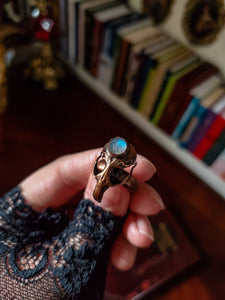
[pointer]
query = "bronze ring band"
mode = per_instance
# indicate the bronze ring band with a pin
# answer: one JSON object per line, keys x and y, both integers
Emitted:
{"x": 131, "y": 184}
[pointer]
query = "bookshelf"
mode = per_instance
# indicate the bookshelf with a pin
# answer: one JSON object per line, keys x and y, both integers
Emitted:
{"x": 185, "y": 157}
{"x": 189, "y": 161}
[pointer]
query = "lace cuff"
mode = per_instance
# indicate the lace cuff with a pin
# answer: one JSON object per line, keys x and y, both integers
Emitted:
{"x": 50, "y": 257}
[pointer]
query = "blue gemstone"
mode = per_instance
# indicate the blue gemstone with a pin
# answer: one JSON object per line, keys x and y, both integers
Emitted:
{"x": 117, "y": 146}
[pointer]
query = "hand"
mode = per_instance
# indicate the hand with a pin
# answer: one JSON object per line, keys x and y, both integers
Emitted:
{"x": 57, "y": 183}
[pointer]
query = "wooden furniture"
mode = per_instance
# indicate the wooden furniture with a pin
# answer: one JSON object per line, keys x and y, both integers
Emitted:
{"x": 40, "y": 126}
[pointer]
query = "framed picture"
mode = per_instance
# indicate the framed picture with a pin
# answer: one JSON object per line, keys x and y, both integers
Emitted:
{"x": 158, "y": 10}
{"x": 203, "y": 20}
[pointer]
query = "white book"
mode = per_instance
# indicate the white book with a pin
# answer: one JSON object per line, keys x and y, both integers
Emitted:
{"x": 207, "y": 86}
{"x": 111, "y": 13}
{"x": 129, "y": 28}
{"x": 219, "y": 106}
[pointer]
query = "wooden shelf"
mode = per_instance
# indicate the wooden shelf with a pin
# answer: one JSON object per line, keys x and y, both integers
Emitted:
{"x": 189, "y": 161}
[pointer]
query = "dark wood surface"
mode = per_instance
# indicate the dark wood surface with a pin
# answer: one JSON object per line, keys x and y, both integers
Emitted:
{"x": 40, "y": 126}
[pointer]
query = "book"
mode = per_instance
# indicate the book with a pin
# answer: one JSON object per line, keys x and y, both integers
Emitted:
{"x": 82, "y": 7}
{"x": 122, "y": 31}
{"x": 218, "y": 166}
{"x": 99, "y": 23}
{"x": 214, "y": 130}
{"x": 131, "y": 27}
{"x": 170, "y": 82}
{"x": 72, "y": 13}
{"x": 89, "y": 23}
{"x": 180, "y": 96}
{"x": 201, "y": 131}
{"x": 156, "y": 81}
{"x": 203, "y": 109}
{"x": 106, "y": 60}
{"x": 128, "y": 41}
{"x": 175, "y": 68}
{"x": 170, "y": 254}
{"x": 133, "y": 61}
{"x": 146, "y": 63}
{"x": 63, "y": 27}
{"x": 155, "y": 59}
{"x": 134, "y": 65}
{"x": 216, "y": 149}
{"x": 198, "y": 93}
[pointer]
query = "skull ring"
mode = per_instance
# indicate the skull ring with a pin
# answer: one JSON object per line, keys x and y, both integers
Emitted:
{"x": 109, "y": 168}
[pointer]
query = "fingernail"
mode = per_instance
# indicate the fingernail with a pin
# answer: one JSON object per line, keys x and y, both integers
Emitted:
{"x": 124, "y": 264}
{"x": 144, "y": 159}
{"x": 143, "y": 228}
{"x": 159, "y": 200}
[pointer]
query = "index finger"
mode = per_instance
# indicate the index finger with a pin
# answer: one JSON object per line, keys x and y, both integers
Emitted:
{"x": 55, "y": 184}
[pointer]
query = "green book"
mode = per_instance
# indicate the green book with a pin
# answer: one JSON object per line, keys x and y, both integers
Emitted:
{"x": 168, "y": 90}
{"x": 158, "y": 77}
{"x": 158, "y": 59}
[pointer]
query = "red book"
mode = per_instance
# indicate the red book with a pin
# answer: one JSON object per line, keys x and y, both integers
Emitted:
{"x": 180, "y": 96}
{"x": 211, "y": 135}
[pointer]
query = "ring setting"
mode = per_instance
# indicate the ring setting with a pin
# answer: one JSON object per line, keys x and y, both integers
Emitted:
{"x": 114, "y": 166}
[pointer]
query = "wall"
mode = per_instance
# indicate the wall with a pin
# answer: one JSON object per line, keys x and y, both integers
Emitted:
{"x": 214, "y": 53}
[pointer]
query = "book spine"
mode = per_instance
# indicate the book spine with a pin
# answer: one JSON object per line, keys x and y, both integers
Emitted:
{"x": 106, "y": 60}
{"x": 185, "y": 118}
{"x": 81, "y": 37}
{"x": 162, "y": 102}
{"x": 198, "y": 132}
{"x": 132, "y": 74}
{"x": 63, "y": 23}
{"x": 119, "y": 69}
{"x": 177, "y": 95}
{"x": 160, "y": 95}
{"x": 109, "y": 44}
{"x": 215, "y": 150}
{"x": 211, "y": 135}
{"x": 144, "y": 94}
{"x": 96, "y": 46}
{"x": 88, "y": 39}
{"x": 144, "y": 68}
{"x": 175, "y": 109}
{"x": 207, "y": 122}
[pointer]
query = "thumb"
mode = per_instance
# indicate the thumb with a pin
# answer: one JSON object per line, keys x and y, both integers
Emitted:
{"x": 114, "y": 200}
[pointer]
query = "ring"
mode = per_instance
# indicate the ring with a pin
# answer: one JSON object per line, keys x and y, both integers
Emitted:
{"x": 109, "y": 168}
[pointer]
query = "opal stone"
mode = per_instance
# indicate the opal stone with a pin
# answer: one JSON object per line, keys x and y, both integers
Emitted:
{"x": 117, "y": 146}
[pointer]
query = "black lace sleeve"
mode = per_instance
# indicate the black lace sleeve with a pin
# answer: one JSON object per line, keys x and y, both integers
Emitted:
{"x": 46, "y": 256}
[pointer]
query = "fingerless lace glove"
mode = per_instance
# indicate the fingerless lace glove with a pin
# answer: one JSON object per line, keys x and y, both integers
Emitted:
{"x": 46, "y": 256}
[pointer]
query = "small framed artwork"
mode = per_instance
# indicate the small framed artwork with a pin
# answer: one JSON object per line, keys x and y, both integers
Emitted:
{"x": 203, "y": 20}
{"x": 158, "y": 10}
